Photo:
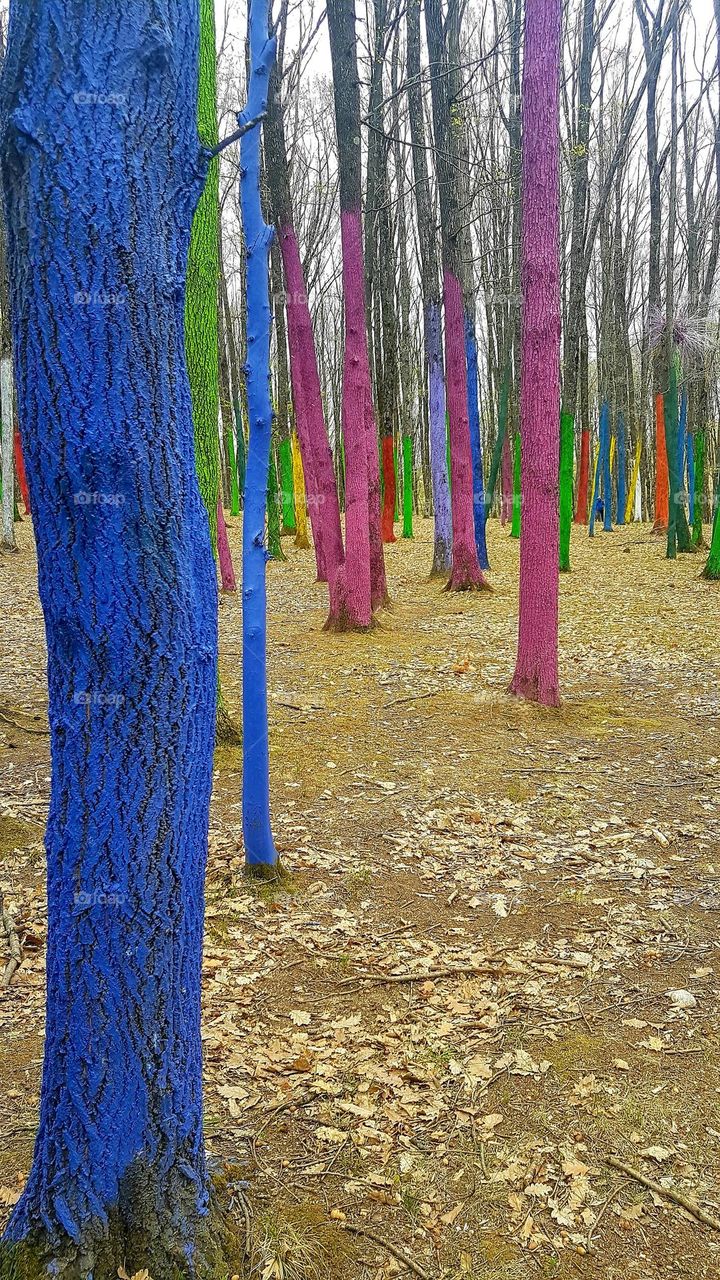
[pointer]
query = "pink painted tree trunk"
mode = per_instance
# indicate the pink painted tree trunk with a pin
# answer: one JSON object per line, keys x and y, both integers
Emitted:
{"x": 227, "y": 573}
{"x": 322, "y": 499}
{"x": 350, "y": 595}
{"x": 536, "y": 670}
{"x": 359, "y": 586}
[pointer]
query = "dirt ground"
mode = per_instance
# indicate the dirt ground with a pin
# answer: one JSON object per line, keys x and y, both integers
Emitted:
{"x": 493, "y": 967}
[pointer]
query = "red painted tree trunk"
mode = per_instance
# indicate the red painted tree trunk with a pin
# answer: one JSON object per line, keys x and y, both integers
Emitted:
{"x": 662, "y": 479}
{"x": 581, "y": 505}
{"x": 20, "y": 469}
{"x": 227, "y": 572}
{"x": 388, "y": 510}
{"x": 536, "y": 670}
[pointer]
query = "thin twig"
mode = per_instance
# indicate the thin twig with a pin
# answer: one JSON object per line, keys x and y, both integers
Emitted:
{"x": 237, "y": 135}
{"x": 667, "y": 1193}
{"x": 391, "y": 1248}
{"x": 412, "y": 697}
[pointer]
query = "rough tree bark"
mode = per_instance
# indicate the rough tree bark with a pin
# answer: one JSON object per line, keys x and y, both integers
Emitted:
{"x": 466, "y": 574}
{"x": 536, "y": 671}
{"x": 430, "y": 276}
{"x": 307, "y": 398}
{"x": 355, "y": 591}
{"x": 101, "y": 106}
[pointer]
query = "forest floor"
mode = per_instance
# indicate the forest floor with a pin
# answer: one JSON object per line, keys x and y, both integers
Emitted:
{"x": 494, "y": 964}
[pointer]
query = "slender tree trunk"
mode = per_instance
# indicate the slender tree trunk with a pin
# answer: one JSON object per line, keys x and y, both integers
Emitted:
{"x": 260, "y": 852}
{"x": 432, "y": 328}
{"x": 466, "y": 574}
{"x": 536, "y": 671}
{"x": 354, "y": 592}
{"x": 309, "y": 413}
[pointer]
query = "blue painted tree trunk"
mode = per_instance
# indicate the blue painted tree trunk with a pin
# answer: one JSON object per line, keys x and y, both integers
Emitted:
{"x": 442, "y": 552}
{"x": 621, "y": 486}
{"x": 602, "y": 459}
{"x": 260, "y": 849}
{"x": 607, "y": 470}
{"x": 101, "y": 169}
{"x": 471, "y": 357}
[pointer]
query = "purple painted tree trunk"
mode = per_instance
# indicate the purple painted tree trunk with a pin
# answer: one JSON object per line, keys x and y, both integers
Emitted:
{"x": 536, "y": 671}
{"x": 466, "y": 573}
{"x": 438, "y": 442}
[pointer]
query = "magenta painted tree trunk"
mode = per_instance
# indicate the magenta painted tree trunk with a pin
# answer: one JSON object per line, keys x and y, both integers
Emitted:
{"x": 536, "y": 670}
{"x": 321, "y": 489}
{"x": 359, "y": 586}
{"x": 322, "y": 499}
{"x": 227, "y": 572}
{"x": 506, "y": 480}
{"x": 350, "y": 596}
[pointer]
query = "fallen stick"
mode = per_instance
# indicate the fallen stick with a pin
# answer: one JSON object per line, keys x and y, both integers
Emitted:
{"x": 692, "y": 1208}
{"x": 11, "y": 933}
{"x": 391, "y": 1248}
{"x": 411, "y": 697}
{"x": 461, "y": 971}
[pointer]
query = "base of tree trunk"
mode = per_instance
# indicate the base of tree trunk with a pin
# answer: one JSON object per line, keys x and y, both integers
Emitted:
{"x": 532, "y": 689}
{"x": 659, "y": 528}
{"x": 467, "y": 579}
{"x": 269, "y": 875}
{"x": 211, "y": 1247}
{"x": 340, "y": 623}
{"x": 711, "y": 572}
{"x": 227, "y": 733}
{"x": 302, "y": 541}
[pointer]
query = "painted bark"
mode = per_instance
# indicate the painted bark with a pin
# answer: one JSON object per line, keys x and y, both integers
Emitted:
{"x": 260, "y": 852}
{"x": 20, "y": 472}
{"x": 567, "y": 452}
{"x": 321, "y": 488}
{"x": 536, "y": 671}
{"x": 302, "y": 539}
{"x": 466, "y": 574}
{"x": 203, "y": 269}
{"x": 389, "y": 489}
{"x": 6, "y": 451}
{"x": 621, "y": 486}
{"x": 516, "y": 526}
{"x": 227, "y": 572}
{"x": 407, "y": 447}
{"x": 662, "y": 478}
{"x": 506, "y": 478}
{"x": 607, "y": 473}
{"x": 471, "y": 362}
{"x": 442, "y": 548}
{"x": 352, "y": 592}
{"x": 430, "y": 269}
{"x": 581, "y": 505}
{"x": 127, "y": 585}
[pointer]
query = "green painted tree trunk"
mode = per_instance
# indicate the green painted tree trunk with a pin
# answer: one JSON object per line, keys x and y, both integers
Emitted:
{"x": 203, "y": 268}
{"x": 567, "y": 450}
{"x": 517, "y": 495}
{"x": 407, "y": 445}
